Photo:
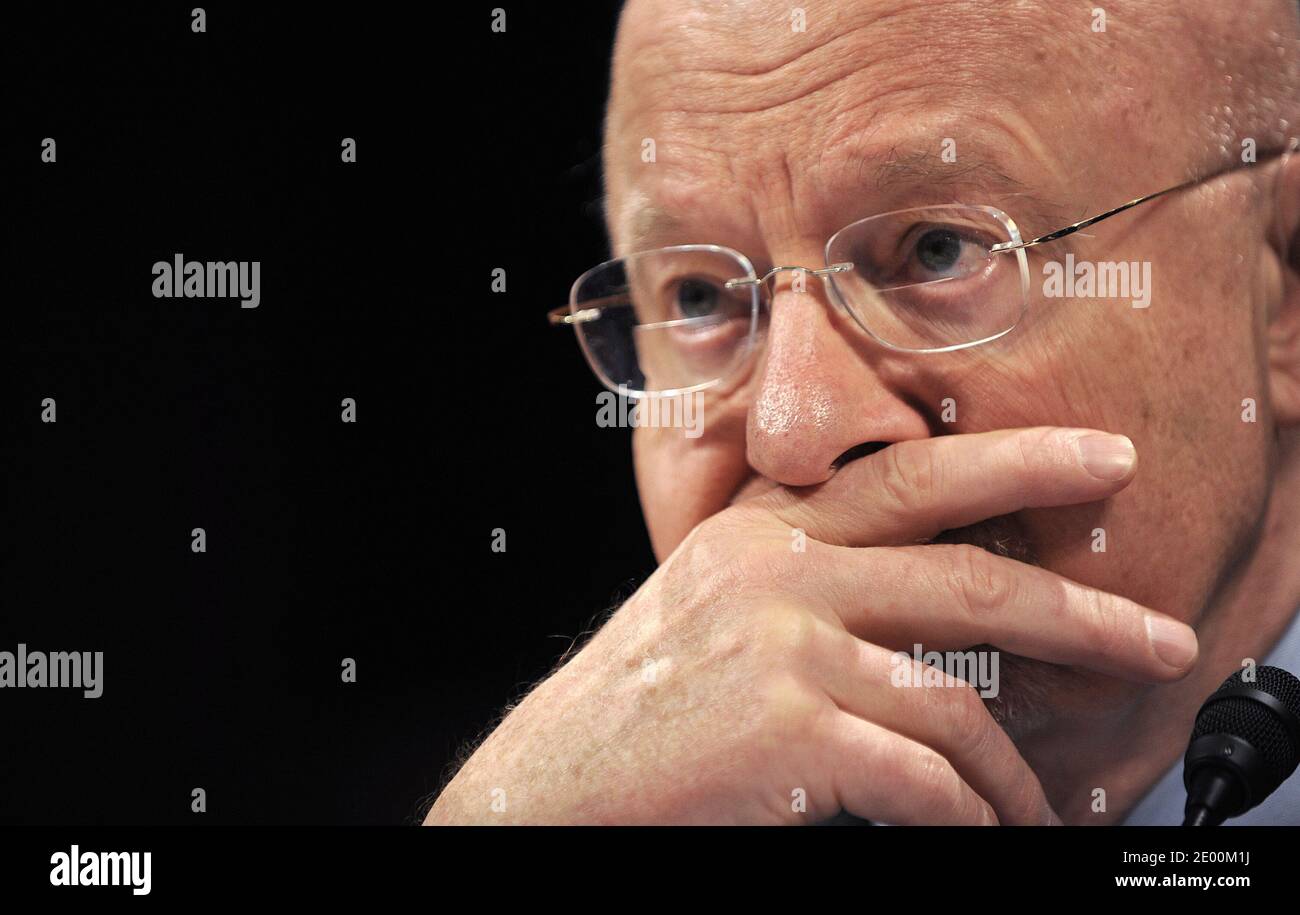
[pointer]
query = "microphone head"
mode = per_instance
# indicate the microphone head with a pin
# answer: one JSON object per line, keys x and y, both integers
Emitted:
{"x": 1251, "y": 730}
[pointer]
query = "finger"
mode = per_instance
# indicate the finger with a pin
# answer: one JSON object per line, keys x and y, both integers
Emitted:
{"x": 880, "y": 775}
{"x": 951, "y": 720}
{"x": 914, "y": 489}
{"x": 952, "y": 596}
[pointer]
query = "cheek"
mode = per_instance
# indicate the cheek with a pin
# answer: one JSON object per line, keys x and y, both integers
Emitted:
{"x": 652, "y": 456}
{"x": 1172, "y": 378}
{"x": 1166, "y": 540}
{"x": 684, "y": 480}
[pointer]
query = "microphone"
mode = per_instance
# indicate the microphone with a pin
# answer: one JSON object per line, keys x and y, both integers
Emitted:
{"x": 1245, "y": 743}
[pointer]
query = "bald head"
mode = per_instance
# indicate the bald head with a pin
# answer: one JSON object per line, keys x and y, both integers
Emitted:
{"x": 1177, "y": 85}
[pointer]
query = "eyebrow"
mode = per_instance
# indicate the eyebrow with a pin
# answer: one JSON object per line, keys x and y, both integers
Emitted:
{"x": 887, "y": 169}
{"x": 891, "y": 168}
{"x": 653, "y": 222}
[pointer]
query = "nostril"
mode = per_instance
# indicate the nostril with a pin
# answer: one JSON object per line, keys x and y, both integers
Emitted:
{"x": 860, "y": 450}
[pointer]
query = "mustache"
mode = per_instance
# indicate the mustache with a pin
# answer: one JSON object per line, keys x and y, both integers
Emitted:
{"x": 1001, "y": 535}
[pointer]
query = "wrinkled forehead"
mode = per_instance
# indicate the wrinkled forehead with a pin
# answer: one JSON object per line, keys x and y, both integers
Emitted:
{"x": 748, "y": 96}
{"x": 762, "y": 55}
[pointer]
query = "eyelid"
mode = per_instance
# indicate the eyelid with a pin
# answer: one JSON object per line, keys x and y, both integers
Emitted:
{"x": 971, "y": 233}
{"x": 961, "y": 231}
{"x": 675, "y": 282}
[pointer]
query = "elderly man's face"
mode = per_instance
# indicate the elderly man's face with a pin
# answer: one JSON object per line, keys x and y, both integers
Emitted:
{"x": 768, "y": 140}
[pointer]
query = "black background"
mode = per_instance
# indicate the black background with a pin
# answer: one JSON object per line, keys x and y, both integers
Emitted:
{"x": 325, "y": 540}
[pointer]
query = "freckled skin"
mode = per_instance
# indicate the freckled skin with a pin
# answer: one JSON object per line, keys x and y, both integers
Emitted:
{"x": 751, "y": 135}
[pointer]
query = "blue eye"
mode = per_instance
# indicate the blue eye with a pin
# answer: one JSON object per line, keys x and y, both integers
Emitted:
{"x": 696, "y": 298}
{"x": 939, "y": 250}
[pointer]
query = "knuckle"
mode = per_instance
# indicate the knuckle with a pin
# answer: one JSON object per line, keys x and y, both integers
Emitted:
{"x": 931, "y": 776}
{"x": 1037, "y": 447}
{"x": 724, "y": 645}
{"x": 1104, "y": 618}
{"x": 789, "y": 712}
{"x": 742, "y": 554}
{"x": 1055, "y": 600}
{"x": 788, "y": 636}
{"x": 934, "y": 777}
{"x": 707, "y": 547}
{"x": 908, "y": 473}
{"x": 969, "y": 719}
{"x": 929, "y": 770}
{"x": 765, "y": 642}
{"x": 981, "y": 584}
{"x": 710, "y": 566}
{"x": 967, "y": 722}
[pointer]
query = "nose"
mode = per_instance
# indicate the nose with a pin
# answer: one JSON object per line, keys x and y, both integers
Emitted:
{"x": 819, "y": 399}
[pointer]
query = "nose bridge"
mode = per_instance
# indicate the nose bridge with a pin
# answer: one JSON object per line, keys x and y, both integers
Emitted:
{"x": 799, "y": 315}
{"x": 814, "y": 395}
{"x": 768, "y": 280}
{"x": 800, "y": 272}
{"x": 794, "y": 319}
{"x": 798, "y": 280}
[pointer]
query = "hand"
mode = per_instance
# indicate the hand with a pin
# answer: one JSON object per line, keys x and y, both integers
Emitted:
{"x": 743, "y": 672}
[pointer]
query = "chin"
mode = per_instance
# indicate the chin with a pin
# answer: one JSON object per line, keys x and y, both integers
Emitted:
{"x": 1033, "y": 694}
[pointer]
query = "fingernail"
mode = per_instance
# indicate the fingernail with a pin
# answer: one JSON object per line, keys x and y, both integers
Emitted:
{"x": 1106, "y": 457}
{"x": 1173, "y": 642}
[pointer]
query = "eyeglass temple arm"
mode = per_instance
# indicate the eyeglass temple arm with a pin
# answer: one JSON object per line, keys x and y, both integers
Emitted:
{"x": 1084, "y": 223}
{"x": 1291, "y": 148}
{"x": 589, "y": 312}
